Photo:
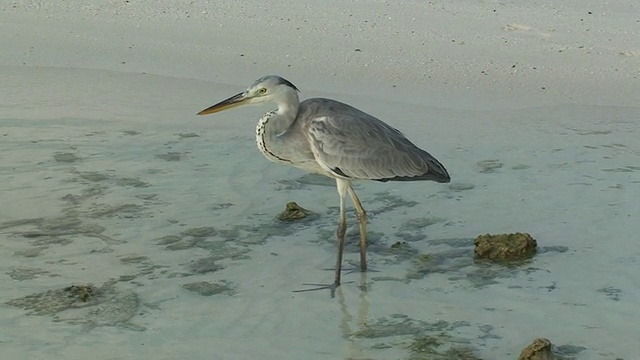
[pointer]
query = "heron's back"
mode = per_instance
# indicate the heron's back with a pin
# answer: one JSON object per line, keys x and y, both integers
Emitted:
{"x": 352, "y": 144}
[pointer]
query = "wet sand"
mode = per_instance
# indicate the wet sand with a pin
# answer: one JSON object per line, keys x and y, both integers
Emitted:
{"x": 109, "y": 179}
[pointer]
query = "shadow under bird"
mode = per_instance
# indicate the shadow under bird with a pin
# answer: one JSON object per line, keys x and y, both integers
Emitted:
{"x": 334, "y": 139}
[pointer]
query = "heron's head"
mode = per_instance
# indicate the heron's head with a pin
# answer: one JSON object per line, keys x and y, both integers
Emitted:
{"x": 267, "y": 89}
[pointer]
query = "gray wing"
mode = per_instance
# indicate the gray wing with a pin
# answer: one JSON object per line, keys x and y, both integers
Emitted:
{"x": 352, "y": 144}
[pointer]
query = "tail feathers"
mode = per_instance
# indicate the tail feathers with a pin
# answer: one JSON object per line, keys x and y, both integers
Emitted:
{"x": 436, "y": 172}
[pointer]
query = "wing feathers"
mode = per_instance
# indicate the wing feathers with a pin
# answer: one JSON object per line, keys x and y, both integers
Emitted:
{"x": 363, "y": 147}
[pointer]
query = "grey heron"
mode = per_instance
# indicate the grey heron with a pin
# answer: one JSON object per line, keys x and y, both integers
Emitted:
{"x": 334, "y": 139}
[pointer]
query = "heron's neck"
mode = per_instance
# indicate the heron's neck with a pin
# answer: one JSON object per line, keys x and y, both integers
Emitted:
{"x": 284, "y": 116}
{"x": 271, "y": 132}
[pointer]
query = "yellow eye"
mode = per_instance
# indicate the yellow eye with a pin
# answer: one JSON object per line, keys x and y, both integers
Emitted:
{"x": 262, "y": 91}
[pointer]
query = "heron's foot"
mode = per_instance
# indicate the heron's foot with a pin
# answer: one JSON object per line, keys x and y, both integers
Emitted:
{"x": 317, "y": 287}
{"x": 354, "y": 270}
{"x": 343, "y": 270}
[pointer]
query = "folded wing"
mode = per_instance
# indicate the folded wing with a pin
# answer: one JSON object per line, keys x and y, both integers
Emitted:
{"x": 355, "y": 145}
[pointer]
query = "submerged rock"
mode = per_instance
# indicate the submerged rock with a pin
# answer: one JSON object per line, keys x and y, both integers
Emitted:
{"x": 293, "y": 212}
{"x": 505, "y": 247}
{"x": 540, "y": 349}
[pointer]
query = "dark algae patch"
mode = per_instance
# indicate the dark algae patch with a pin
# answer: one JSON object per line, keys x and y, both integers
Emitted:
{"x": 205, "y": 288}
{"x": 86, "y": 305}
{"x": 422, "y": 340}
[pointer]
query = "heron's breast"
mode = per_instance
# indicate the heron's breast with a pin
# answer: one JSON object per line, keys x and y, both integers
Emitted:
{"x": 261, "y": 141}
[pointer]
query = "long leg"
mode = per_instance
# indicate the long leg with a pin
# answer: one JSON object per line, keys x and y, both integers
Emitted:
{"x": 343, "y": 188}
{"x": 362, "y": 219}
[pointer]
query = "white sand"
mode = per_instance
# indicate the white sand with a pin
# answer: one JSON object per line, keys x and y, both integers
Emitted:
{"x": 549, "y": 92}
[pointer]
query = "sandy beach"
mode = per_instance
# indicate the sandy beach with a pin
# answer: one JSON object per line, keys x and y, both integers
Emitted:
{"x": 134, "y": 229}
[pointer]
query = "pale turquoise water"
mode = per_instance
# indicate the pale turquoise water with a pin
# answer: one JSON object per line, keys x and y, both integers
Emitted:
{"x": 111, "y": 178}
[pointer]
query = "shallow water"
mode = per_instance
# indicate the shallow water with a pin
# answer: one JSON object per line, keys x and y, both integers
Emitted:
{"x": 109, "y": 179}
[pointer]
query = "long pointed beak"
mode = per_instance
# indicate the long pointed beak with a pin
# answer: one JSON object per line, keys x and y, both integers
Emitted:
{"x": 235, "y": 100}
